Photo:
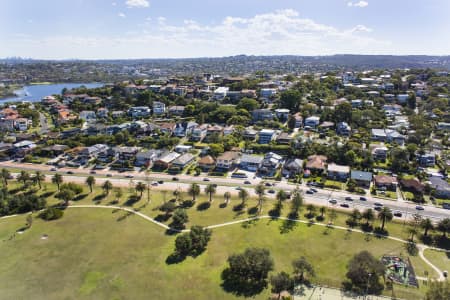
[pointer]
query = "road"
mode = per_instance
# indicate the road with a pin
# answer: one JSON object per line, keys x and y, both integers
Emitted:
{"x": 43, "y": 122}
{"x": 320, "y": 198}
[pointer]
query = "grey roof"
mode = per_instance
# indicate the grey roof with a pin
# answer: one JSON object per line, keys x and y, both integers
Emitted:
{"x": 361, "y": 175}
{"x": 183, "y": 159}
{"x": 439, "y": 183}
{"x": 253, "y": 159}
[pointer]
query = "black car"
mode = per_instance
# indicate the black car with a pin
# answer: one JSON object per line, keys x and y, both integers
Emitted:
{"x": 247, "y": 182}
{"x": 160, "y": 181}
{"x": 69, "y": 172}
{"x": 271, "y": 191}
{"x": 175, "y": 178}
{"x": 378, "y": 204}
{"x": 205, "y": 179}
{"x": 363, "y": 198}
{"x": 310, "y": 192}
{"x": 108, "y": 175}
{"x": 377, "y": 208}
{"x": 93, "y": 172}
{"x": 397, "y": 214}
{"x": 348, "y": 198}
{"x": 345, "y": 205}
{"x": 314, "y": 190}
{"x": 268, "y": 184}
{"x": 333, "y": 201}
{"x": 418, "y": 207}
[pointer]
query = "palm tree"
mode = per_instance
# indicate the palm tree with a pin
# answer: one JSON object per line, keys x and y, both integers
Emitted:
{"x": 194, "y": 191}
{"x": 90, "y": 181}
{"x": 24, "y": 177}
{"x": 385, "y": 215}
{"x": 66, "y": 195}
{"x": 297, "y": 202}
{"x": 426, "y": 225}
{"x": 39, "y": 177}
{"x": 281, "y": 196}
{"x": 107, "y": 186}
{"x": 259, "y": 190}
{"x": 332, "y": 215}
{"x": 227, "y": 196}
{"x": 140, "y": 188}
{"x": 322, "y": 211}
{"x": 302, "y": 266}
{"x": 210, "y": 190}
{"x": 311, "y": 209}
{"x": 444, "y": 226}
{"x": 5, "y": 175}
{"x": 118, "y": 194}
{"x": 355, "y": 216}
{"x": 57, "y": 179}
{"x": 243, "y": 195}
{"x": 368, "y": 215}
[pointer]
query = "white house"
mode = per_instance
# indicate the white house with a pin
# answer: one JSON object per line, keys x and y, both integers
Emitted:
{"x": 159, "y": 108}
{"x": 312, "y": 121}
{"x": 221, "y": 92}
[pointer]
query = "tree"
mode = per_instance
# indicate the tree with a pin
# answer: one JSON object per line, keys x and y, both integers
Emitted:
{"x": 51, "y": 213}
{"x": 140, "y": 188}
{"x": 354, "y": 218}
{"x": 107, "y": 186}
{"x": 290, "y": 99}
{"x": 444, "y": 226}
{"x": 183, "y": 244}
{"x": 90, "y": 181}
{"x": 66, "y": 195}
{"x": 194, "y": 191}
{"x": 297, "y": 202}
{"x": 210, "y": 190}
{"x": 23, "y": 177}
{"x": 259, "y": 190}
{"x": 301, "y": 267}
{"x": 364, "y": 272}
{"x": 118, "y": 194}
{"x": 248, "y": 271}
{"x": 247, "y": 104}
{"x": 368, "y": 215}
{"x": 291, "y": 122}
{"x": 281, "y": 196}
{"x": 438, "y": 290}
{"x": 57, "y": 179}
{"x": 167, "y": 207}
{"x": 39, "y": 177}
{"x": 322, "y": 211}
{"x": 179, "y": 218}
{"x": 243, "y": 195}
{"x": 385, "y": 215}
{"x": 332, "y": 215}
{"x": 199, "y": 237}
{"x": 281, "y": 282}
{"x": 5, "y": 175}
{"x": 426, "y": 225}
{"x": 227, "y": 196}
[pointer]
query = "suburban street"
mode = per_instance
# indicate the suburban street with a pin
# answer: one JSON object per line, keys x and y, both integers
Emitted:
{"x": 320, "y": 198}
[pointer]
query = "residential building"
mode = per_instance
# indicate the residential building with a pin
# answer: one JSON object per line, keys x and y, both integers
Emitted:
{"x": 220, "y": 93}
{"x": 176, "y": 110}
{"x": 402, "y": 98}
{"x": 227, "y": 160}
{"x": 159, "y": 108}
{"x": 265, "y": 136}
{"x": 267, "y": 92}
{"x": 292, "y": 167}
{"x": 385, "y": 182}
{"x": 199, "y": 132}
{"x": 427, "y": 160}
{"x": 183, "y": 148}
{"x": 284, "y": 138}
{"x": 338, "y": 172}
{"x": 270, "y": 164}
{"x": 440, "y": 186}
{"x": 343, "y": 129}
{"x": 125, "y": 154}
{"x": 250, "y": 134}
{"x": 250, "y": 162}
{"x": 179, "y": 130}
{"x": 443, "y": 126}
{"x": 88, "y": 115}
{"x": 379, "y": 152}
{"x": 102, "y": 112}
{"x": 316, "y": 163}
{"x": 298, "y": 120}
{"x": 412, "y": 185}
{"x": 207, "y": 163}
{"x": 282, "y": 114}
{"x": 164, "y": 161}
{"x": 262, "y": 115}
{"x": 139, "y": 111}
{"x": 22, "y": 124}
{"x": 387, "y": 135}
{"x": 312, "y": 122}
{"x": 146, "y": 158}
{"x": 361, "y": 178}
{"x": 183, "y": 160}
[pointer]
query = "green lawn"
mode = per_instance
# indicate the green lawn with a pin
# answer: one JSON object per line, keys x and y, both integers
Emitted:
{"x": 98, "y": 254}
{"x": 439, "y": 259}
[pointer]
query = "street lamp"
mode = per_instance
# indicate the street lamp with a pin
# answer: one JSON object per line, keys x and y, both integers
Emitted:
{"x": 367, "y": 286}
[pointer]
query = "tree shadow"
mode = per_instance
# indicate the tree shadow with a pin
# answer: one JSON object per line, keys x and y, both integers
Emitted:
{"x": 223, "y": 205}
{"x": 171, "y": 231}
{"x": 80, "y": 197}
{"x": 204, "y": 206}
{"x": 253, "y": 210}
{"x": 249, "y": 223}
{"x": 132, "y": 200}
{"x": 238, "y": 207}
{"x": 380, "y": 233}
{"x": 175, "y": 258}
{"x": 99, "y": 197}
{"x": 288, "y": 226}
{"x": 187, "y": 204}
{"x": 47, "y": 194}
{"x": 366, "y": 227}
{"x": 162, "y": 217}
{"x": 443, "y": 242}
{"x": 240, "y": 287}
{"x": 124, "y": 216}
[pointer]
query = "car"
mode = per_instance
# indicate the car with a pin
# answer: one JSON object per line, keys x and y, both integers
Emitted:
{"x": 247, "y": 182}
{"x": 271, "y": 191}
{"x": 397, "y": 213}
{"x": 69, "y": 172}
{"x": 160, "y": 182}
{"x": 377, "y": 208}
{"x": 206, "y": 179}
{"x": 348, "y": 198}
{"x": 418, "y": 207}
{"x": 446, "y": 205}
{"x": 314, "y": 190}
{"x": 345, "y": 205}
{"x": 175, "y": 178}
{"x": 378, "y": 204}
{"x": 333, "y": 201}
{"x": 108, "y": 175}
{"x": 129, "y": 176}
{"x": 362, "y": 198}
{"x": 154, "y": 183}
{"x": 238, "y": 188}
{"x": 93, "y": 172}
{"x": 53, "y": 169}
{"x": 310, "y": 192}
{"x": 268, "y": 184}
{"x": 214, "y": 185}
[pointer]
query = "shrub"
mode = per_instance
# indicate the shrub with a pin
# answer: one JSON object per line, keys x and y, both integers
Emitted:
{"x": 51, "y": 213}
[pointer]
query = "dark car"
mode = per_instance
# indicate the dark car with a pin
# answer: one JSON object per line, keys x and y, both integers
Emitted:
{"x": 345, "y": 205}
{"x": 205, "y": 179}
{"x": 69, "y": 172}
{"x": 397, "y": 214}
{"x": 418, "y": 207}
{"x": 377, "y": 208}
{"x": 271, "y": 191}
{"x": 268, "y": 184}
{"x": 446, "y": 205}
{"x": 93, "y": 172}
{"x": 175, "y": 178}
{"x": 129, "y": 176}
{"x": 333, "y": 201}
{"x": 310, "y": 192}
{"x": 349, "y": 198}
{"x": 108, "y": 175}
{"x": 160, "y": 181}
{"x": 247, "y": 182}
{"x": 378, "y": 204}
{"x": 363, "y": 198}
{"x": 314, "y": 190}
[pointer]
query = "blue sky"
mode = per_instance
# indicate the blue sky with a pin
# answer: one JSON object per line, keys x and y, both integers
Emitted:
{"x": 92, "y": 29}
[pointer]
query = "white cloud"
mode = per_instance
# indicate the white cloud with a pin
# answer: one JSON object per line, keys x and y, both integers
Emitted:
{"x": 137, "y": 3}
{"x": 122, "y": 15}
{"x": 276, "y": 33}
{"x": 358, "y": 4}
{"x": 114, "y": 4}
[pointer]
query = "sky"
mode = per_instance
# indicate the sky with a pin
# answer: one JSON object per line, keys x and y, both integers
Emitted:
{"x": 121, "y": 29}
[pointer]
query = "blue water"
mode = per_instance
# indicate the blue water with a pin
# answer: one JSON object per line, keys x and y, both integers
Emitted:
{"x": 34, "y": 93}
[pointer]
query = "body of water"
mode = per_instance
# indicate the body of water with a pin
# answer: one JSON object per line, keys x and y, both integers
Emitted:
{"x": 34, "y": 93}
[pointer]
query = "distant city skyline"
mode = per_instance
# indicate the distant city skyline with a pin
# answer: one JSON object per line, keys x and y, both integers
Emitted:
{"x": 126, "y": 29}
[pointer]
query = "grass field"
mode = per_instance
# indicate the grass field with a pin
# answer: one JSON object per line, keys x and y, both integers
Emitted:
{"x": 109, "y": 254}
{"x": 439, "y": 259}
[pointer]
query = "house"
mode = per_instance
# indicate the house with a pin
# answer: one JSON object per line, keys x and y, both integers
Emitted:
{"x": 227, "y": 160}
{"x": 292, "y": 167}
{"x": 183, "y": 148}
{"x": 183, "y": 160}
{"x": 221, "y": 92}
{"x": 117, "y": 114}
{"x": 262, "y": 115}
{"x": 23, "y": 148}
{"x": 54, "y": 150}
{"x": 338, "y": 172}
{"x": 441, "y": 187}
{"x": 179, "y": 130}
{"x": 125, "y": 154}
{"x": 282, "y": 114}
{"x": 357, "y": 103}
{"x": 250, "y": 134}
{"x": 312, "y": 122}
{"x": 284, "y": 138}
{"x": 387, "y": 135}
{"x": 250, "y": 162}
{"x": 146, "y": 158}
{"x": 88, "y": 115}
{"x": 379, "y": 152}
{"x": 267, "y": 92}
{"x": 443, "y": 126}
{"x": 102, "y": 112}
{"x": 343, "y": 129}
{"x": 265, "y": 136}
{"x": 298, "y": 120}
{"x": 176, "y": 110}
{"x": 22, "y": 124}
{"x": 228, "y": 130}
{"x": 270, "y": 164}
{"x": 361, "y": 178}
{"x": 167, "y": 128}
{"x": 92, "y": 151}
{"x": 412, "y": 185}
{"x": 199, "y": 132}
{"x": 402, "y": 98}
{"x": 139, "y": 111}
{"x": 207, "y": 163}
{"x": 164, "y": 161}
{"x": 316, "y": 163}
{"x": 325, "y": 126}
{"x": 426, "y": 160}
{"x": 385, "y": 182}
{"x": 159, "y": 108}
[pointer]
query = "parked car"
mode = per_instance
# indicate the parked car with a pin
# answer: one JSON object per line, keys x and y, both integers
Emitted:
{"x": 310, "y": 192}
{"x": 247, "y": 182}
{"x": 362, "y": 198}
{"x": 160, "y": 181}
{"x": 446, "y": 205}
{"x": 377, "y": 208}
{"x": 397, "y": 213}
{"x": 378, "y": 204}
{"x": 108, "y": 175}
{"x": 206, "y": 179}
{"x": 333, "y": 201}
{"x": 418, "y": 207}
{"x": 93, "y": 172}
{"x": 348, "y": 198}
{"x": 129, "y": 176}
{"x": 314, "y": 190}
{"x": 271, "y": 191}
{"x": 268, "y": 184}
{"x": 69, "y": 172}
{"x": 53, "y": 169}
{"x": 154, "y": 183}
{"x": 175, "y": 178}
{"x": 345, "y": 205}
